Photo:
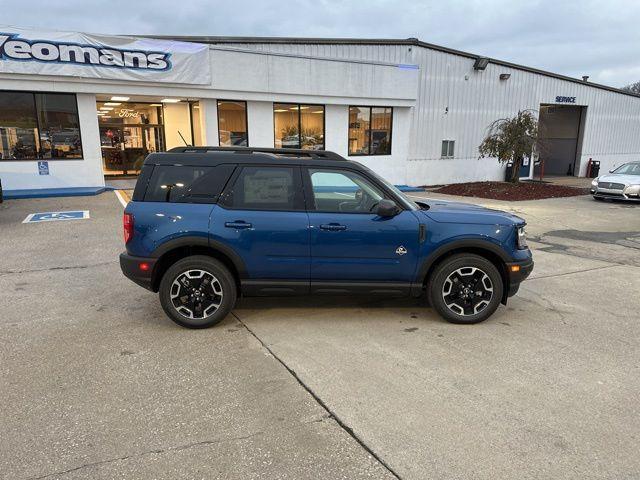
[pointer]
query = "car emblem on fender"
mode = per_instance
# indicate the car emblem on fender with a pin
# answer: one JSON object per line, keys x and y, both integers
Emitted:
{"x": 401, "y": 250}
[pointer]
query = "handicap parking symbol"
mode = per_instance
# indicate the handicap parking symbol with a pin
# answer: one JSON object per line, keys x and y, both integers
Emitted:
{"x": 56, "y": 216}
{"x": 43, "y": 168}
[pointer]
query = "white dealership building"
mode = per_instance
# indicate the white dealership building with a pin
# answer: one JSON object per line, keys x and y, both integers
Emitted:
{"x": 77, "y": 108}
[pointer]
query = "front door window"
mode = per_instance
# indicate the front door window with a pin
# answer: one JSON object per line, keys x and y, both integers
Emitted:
{"x": 349, "y": 242}
{"x": 343, "y": 191}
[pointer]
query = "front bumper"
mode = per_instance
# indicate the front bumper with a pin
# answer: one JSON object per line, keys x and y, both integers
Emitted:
{"x": 131, "y": 267}
{"x": 524, "y": 269}
{"x": 613, "y": 194}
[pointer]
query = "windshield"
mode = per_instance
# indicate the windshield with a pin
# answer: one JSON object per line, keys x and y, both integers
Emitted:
{"x": 629, "y": 169}
{"x": 409, "y": 203}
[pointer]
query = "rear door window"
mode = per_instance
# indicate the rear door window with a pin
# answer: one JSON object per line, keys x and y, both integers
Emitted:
{"x": 265, "y": 188}
{"x": 190, "y": 184}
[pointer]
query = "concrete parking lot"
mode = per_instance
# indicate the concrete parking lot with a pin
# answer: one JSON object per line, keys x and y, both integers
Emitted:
{"x": 97, "y": 383}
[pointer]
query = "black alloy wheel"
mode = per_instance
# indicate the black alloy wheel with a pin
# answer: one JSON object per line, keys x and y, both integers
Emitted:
{"x": 465, "y": 288}
{"x": 467, "y": 291}
{"x": 197, "y": 292}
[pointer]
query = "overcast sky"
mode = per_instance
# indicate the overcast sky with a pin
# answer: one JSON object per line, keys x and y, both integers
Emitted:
{"x": 575, "y": 38}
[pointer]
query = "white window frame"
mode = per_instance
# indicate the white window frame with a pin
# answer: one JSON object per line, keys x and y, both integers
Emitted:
{"x": 450, "y": 150}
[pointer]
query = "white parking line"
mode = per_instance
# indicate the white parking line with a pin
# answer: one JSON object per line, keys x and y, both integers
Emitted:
{"x": 121, "y": 198}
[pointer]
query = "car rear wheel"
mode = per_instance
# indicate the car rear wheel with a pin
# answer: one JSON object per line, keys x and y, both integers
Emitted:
{"x": 197, "y": 292}
{"x": 465, "y": 288}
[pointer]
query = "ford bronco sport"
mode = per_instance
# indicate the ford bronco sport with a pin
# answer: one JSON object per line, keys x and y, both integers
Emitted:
{"x": 207, "y": 224}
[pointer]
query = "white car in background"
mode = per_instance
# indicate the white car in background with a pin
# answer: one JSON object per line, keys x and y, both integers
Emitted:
{"x": 622, "y": 183}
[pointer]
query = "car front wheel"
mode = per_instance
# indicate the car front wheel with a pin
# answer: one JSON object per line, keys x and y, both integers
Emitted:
{"x": 465, "y": 288}
{"x": 197, "y": 292}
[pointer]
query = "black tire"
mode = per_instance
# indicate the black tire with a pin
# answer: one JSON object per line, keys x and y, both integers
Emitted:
{"x": 216, "y": 287}
{"x": 600, "y": 199}
{"x": 455, "y": 271}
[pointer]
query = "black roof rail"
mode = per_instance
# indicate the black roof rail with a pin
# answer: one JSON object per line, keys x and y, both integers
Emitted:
{"x": 291, "y": 152}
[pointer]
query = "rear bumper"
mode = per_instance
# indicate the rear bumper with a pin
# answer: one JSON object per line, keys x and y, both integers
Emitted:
{"x": 130, "y": 267}
{"x": 517, "y": 277}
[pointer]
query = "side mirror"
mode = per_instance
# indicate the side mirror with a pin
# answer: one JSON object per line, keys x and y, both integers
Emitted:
{"x": 387, "y": 208}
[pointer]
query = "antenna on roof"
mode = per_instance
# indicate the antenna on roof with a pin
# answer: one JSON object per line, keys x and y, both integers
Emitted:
{"x": 185, "y": 142}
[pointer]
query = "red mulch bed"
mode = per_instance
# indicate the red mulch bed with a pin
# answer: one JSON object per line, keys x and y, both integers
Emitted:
{"x": 511, "y": 191}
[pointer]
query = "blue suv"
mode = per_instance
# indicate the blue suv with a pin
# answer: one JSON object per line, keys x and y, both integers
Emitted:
{"x": 207, "y": 224}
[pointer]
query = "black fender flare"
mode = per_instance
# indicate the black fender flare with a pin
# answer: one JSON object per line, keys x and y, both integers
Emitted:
{"x": 203, "y": 242}
{"x": 461, "y": 244}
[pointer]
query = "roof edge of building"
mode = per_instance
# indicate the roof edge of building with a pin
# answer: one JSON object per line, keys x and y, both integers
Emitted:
{"x": 383, "y": 41}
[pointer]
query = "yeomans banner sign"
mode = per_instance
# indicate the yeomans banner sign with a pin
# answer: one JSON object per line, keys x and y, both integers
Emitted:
{"x": 76, "y": 54}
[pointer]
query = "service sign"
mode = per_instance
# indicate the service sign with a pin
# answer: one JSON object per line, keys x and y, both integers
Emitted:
{"x": 101, "y": 56}
{"x": 563, "y": 99}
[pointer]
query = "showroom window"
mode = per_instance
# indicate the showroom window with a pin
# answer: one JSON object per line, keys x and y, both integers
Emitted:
{"x": 448, "y": 148}
{"x": 129, "y": 131}
{"x": 39, "y": 126}
{"x": 298, "y": 126}
{"x": 370, "y": 130}
{"x": 232, "y": 123}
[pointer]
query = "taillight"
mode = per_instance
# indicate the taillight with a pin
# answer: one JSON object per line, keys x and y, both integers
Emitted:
{"x": 127, "y": 224}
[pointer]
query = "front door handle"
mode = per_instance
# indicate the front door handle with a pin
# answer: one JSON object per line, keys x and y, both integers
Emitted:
{"x": 333, "y": 227}
{"x": 239, "y": 224}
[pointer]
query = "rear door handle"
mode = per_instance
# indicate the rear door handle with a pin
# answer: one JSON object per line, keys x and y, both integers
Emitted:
{"x": 239, "y": 224}
{"x": 333, "y": 227}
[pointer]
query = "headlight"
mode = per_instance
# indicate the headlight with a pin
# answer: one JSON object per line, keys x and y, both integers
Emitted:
{"x": 632, "y": 190}
{"x": 522, "y": 238}
{"x": 594, "y": 182}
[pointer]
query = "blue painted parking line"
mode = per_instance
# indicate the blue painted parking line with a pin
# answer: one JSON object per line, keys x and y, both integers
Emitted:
{"x": 56, "y": 216}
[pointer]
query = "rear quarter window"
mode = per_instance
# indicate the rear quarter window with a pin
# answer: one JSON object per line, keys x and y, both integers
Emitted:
{"x": 187, "y": 184}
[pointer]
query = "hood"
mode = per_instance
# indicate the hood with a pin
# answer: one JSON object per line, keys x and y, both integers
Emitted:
{"x": 620, "y": 178}
{"x": 443, "y": 211}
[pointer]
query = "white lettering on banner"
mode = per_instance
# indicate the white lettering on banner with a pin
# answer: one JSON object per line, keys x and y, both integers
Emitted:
{"x": 13, "y": 49}
{"x": 99, "y": 56}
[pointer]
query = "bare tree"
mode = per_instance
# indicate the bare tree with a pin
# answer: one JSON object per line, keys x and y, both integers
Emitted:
{"x": 511, "y": 140}
{"x": 633, "y": 88}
